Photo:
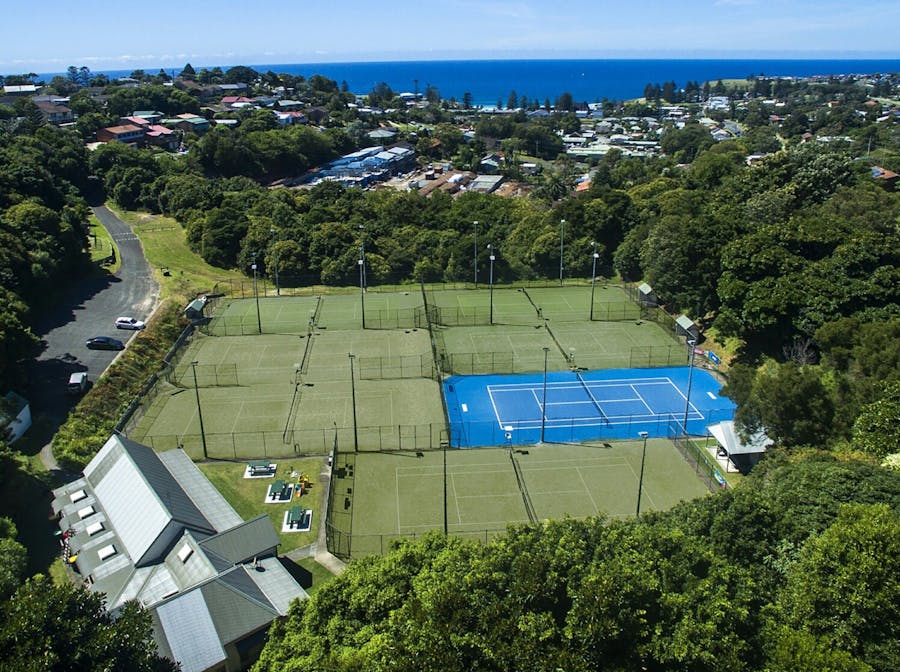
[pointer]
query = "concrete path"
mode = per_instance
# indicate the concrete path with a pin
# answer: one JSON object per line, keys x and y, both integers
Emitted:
{"x": 318, "y": 550}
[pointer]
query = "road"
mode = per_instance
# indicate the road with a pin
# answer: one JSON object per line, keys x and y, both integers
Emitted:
{"x": 88, "y": 308}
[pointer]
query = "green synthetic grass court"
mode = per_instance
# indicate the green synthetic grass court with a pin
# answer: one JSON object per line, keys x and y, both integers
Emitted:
{"x": 400, "y": 494}
{"x": 288, "y": 390}
{"x": 344, "y": 311}
{"x": 276, "y": 315}
{"x": 531, "y": 305}
{"x": 280, "y": 394}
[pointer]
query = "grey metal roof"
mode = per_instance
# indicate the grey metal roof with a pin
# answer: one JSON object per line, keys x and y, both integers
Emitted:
{"x": 140, "y": 495}
{"x": 277, "y": 584}
{"x": 158, "y": 507}
{"x": 188, "y": 565}
{"x": 245, "y": 541}
{"x": 214, "y": 507}
{"x": 237, "y": 606}
{"x": 130, "y": 503}
{"x": 189, "y": 632}
{"x": 727, "y": 437}
{"x": 149, "y": 586}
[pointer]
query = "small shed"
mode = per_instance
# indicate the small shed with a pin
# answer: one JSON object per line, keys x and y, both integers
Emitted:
{"x": 741, "y": 455}
{"x": 15, "y": 416}
{"x": 646, "y": 295}
{"x": 684, "y": 326}
{"x": 194, "y": 310}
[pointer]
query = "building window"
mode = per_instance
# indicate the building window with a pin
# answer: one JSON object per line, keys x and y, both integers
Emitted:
{"x": 93, "y": 529}
{"x": 106, "y": 552}
{"x": 185, "y": 552}
{"x": 85, "y": 512}
{"x": 78, "y": 495}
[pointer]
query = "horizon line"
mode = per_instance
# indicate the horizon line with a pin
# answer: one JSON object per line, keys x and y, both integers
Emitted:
{"x": 254, "y": 60}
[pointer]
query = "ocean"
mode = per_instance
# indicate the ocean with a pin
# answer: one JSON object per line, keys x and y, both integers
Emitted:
{"x": 587, "y": 80}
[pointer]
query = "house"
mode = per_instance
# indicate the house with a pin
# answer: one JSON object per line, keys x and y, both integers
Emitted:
{"x": 885, "y": 178}
{"x": 160, "y": 136}
{"x": 490, "y": 164}
{"x": 149, "y": 527}
{"x": 189, "y": 123}
{"x": 485, "y": 183}
{"x": 20, "y": 90}
{"x": 128, "y": 133}
{"x": 151, "y": 116}
{"x": 56, "y": 113}
{"x": 382, "y": 135}
{"x": 15, "y": 416}
{"x": 230, "y": 89}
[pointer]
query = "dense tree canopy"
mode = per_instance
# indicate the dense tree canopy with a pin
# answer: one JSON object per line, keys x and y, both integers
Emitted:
{"x": 734, "y": 581}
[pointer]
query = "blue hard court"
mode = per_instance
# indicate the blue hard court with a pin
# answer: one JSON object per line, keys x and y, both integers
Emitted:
{"x": 582, "y": 406}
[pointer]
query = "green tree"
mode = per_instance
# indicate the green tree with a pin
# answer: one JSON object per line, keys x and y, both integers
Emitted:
{"x": 47, "y": 628}
{"x": 877, "y": 428}
{"x": 844, "y": 588}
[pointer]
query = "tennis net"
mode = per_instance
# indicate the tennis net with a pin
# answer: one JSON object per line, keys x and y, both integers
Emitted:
{"x": 593, "y": 398}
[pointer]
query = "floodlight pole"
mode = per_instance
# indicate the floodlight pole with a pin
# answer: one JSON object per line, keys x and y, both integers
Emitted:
{"x": 544, "y": 399}
{"x": 362, "y": 253}
{"x": 275, "y": 260}
{"x": 644, "y": 436}
{"x": 596, "y": 255}
{"x": 256, "y": 294}
{"x": 475, "y": 227}
{"x": 562, "y": 228}
{"x": 687, "y": 401}
{"x": 491, "y": 251}
{"x": 444, "y": 451}
{"x": 199, "y": 412}
{"x": 353, "y": 403}
{"x": 362, "y": 290}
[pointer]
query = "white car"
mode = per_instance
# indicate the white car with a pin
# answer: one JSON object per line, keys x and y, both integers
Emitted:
{"x": 129, "y": 323}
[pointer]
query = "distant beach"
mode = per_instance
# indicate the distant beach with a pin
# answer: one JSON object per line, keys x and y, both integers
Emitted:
{"x": 587, "y": 80}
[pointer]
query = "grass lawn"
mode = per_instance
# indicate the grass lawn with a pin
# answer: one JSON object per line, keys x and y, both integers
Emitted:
{"x": 246, "y": 495}
{"x": 102, "y": 245}
{"x": 309, "y": 574}
{"x": 165, "y": 247}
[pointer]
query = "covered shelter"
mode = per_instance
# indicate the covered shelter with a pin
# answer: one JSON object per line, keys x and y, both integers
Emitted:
{"x": 738, "y": 455}
{"x": 646, "y": 295}
{"x": 194, "y": 310}
{"x": 685, "y": 326}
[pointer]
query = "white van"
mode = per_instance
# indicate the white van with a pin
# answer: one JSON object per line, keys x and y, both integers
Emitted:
{"x": 78, "y": 383}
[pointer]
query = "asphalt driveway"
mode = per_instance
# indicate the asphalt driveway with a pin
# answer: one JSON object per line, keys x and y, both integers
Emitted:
{"x": 89, "y": 308}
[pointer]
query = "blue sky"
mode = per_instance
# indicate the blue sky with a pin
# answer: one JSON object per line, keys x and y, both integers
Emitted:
{"x": 166, "y": 33}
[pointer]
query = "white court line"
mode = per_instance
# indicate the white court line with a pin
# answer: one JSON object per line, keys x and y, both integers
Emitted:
{"x": 455, "y": 499}
{"x": 588, "y": 490}
{"x": 494, "y": 406}
{"x": 664, "y": 380}
{"x": 236, "y": 421}
{"x": 683, "y": 396}
{"x": 397, "y": 494}
{"x": 643, "y": 402}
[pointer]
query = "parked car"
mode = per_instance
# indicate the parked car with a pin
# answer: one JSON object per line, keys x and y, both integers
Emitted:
{"x": 78, "y": 382}
{"x": 104, "y": 343}
{"x": 129, "y": 323}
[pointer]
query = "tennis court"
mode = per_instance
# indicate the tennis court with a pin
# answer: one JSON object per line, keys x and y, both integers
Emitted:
{"x": 402, "y": 495}
{"x": 582, "y": 406}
